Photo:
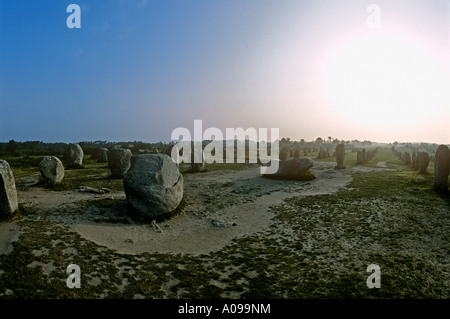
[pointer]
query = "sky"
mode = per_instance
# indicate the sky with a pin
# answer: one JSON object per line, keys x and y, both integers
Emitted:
{"x": 138, "y": 69}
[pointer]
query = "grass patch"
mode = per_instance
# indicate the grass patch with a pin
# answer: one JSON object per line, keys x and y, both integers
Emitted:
{"x": 316, "y": 247}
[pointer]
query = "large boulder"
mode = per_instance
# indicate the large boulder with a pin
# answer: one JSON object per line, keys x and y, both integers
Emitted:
{"x": 52, "y": 170}
{"x": 73, "y": 156}
{"x": 441, "y": 168}
{"x": 295, "y": 169}
{"x": 8, "y": 193}
{"x": 119, "y": 161}
{"x": 102, "y": 155}
{"x": 340, "y": 154}
{"x": 153, "y": 185}
{"x": 422, "y": 161}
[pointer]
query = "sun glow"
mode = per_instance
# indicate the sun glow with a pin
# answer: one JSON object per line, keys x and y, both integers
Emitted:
{"x": 387, "y": 78}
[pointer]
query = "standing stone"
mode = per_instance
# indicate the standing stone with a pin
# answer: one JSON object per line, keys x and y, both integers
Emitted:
{"x": 102, "y": 155}
{"x": 283, "y": 154}
{"x": 153, "y": 185}
{"x": 52, "y": 170}
{"x": 119, "y": 161}
{"x": 168, "y": 152}
{"x": 413, "y": 160}
{"x": 321, "y": 152}
{"x": 168, "y": 149}
{"x": 358, "y": 157}
{"x": 340, "y": 154}
{"x": 197, "y": 161}
{"x": 296, "y": 154}
{"x": 363, "y": 155}
{"x": 422, "y": 161}
{"x": 8, "y": 193}
{"x": 407, "y": 158}
{"x": 73, "y": 156}
{"x": 441, "y": 168}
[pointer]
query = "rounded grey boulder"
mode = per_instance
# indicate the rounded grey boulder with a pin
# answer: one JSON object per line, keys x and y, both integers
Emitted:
{"x": 153, "y": 185}
{"x": 52, "y": 170}
{"x": 8, "y": 193}
{"x": 102, "y": 155}
{"x": 73, "y": 156}
{"x": 119, "y": 161}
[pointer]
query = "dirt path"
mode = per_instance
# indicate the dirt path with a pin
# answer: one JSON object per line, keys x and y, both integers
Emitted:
{"x": 221, "y": 205}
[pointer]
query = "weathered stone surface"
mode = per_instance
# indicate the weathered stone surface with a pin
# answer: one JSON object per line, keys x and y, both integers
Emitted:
{"x": 52, "y": 170}
{"x": 8, "y": 193}
{"x": 340, "y": 155}
{"x": 153, "y": 185}
{"x": 119, "y": 161}
{"x": 296, "y": 154}
{"x": 363, "y": 155}
{"x": 422, "y": 161}
{"x": 73, "y": 156}
{"x": 102, "y": 155}
{"x": 295, "y": 169}
{"x": 441, "y": 168}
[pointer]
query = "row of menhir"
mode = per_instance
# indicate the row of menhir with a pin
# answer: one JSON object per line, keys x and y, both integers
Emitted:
{"x": 420, "y": 160}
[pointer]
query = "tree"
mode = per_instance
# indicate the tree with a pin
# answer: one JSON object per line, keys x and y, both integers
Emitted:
{"x": 11, "y": 148}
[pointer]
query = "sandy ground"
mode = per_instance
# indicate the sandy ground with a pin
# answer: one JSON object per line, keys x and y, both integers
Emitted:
{"x": 221, "y": 205}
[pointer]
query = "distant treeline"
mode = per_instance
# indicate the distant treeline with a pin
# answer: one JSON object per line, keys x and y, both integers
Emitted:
{"x": 30, "y": 148}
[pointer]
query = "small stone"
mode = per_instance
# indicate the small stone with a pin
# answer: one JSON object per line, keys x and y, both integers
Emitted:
{"x": 220, "y": 223}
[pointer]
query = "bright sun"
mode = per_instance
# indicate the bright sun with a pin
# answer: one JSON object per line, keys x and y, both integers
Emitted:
{"x": 386, "y": 78}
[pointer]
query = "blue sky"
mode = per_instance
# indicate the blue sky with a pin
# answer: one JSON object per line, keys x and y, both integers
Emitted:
{"x": 136, "y": 70}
